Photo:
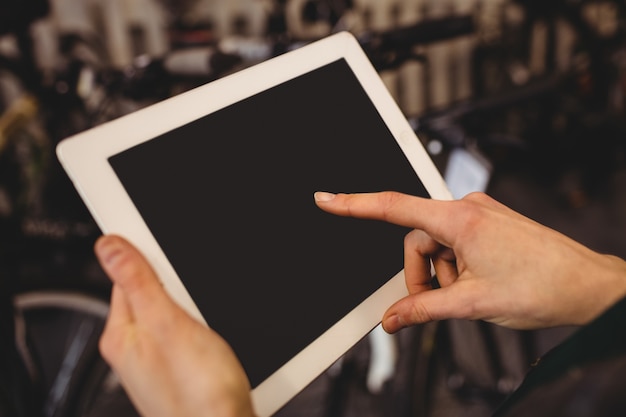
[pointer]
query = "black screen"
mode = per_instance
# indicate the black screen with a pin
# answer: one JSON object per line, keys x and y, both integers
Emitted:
{"x": 229, "y": 198}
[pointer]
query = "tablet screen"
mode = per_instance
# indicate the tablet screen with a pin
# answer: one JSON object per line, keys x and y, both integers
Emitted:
{"x": 229, "y": 198}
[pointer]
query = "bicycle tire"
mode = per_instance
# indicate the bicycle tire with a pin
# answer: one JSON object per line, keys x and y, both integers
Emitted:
{"x": 68, "y": 367}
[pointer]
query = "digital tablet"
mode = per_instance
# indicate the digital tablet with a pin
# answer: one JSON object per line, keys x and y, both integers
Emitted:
{"x": 215, "y": 186}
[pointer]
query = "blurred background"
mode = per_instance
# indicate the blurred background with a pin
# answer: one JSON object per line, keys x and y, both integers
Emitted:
{"x": 522, "y": 99}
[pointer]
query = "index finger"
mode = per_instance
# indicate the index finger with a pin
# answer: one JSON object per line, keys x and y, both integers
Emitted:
{"x": 435, "y": 217}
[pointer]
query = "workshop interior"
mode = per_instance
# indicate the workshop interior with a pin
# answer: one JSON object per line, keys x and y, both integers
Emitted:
{"x": 522, "y": 99}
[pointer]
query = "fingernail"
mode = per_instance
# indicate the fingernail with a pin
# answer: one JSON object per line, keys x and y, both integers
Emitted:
{"x": 393, "y": 323}
{"x": 323, "y": 197}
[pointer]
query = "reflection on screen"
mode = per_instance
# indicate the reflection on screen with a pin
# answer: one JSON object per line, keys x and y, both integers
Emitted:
{"x": 229, "y": 198}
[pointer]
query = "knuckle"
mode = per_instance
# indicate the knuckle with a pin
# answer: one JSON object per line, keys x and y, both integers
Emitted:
{"x": 108, "y": 345}
{"x": 411, "y": 238}
{"x": 388, "y": 201}
{"x": 420, "y": 314}
{"x": 477, "y": 196}
{"x": 471, "y": 212}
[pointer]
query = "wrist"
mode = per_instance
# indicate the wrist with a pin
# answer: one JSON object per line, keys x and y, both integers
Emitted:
{"x": 609, "y": 287}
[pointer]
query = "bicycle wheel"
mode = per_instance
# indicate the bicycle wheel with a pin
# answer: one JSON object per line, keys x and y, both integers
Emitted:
{"x": 57, "y": 335}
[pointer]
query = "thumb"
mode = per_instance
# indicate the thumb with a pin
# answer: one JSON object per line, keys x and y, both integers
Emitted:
{"x": 439, "y": 304}
{"x": 132, "y": 273}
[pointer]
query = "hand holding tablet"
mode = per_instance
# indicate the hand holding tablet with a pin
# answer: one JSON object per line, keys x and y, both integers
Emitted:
{"x": 169, "y": 364}
{"x": 234, "y": 164}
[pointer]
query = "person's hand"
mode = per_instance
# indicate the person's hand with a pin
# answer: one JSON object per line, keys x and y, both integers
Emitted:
{"x": 491, "y": 263}
{"x": 169, "y": 363}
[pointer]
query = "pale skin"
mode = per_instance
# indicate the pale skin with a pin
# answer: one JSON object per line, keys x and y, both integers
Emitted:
{"x": 492, "y": 263}
{"x": 169, "y": 364}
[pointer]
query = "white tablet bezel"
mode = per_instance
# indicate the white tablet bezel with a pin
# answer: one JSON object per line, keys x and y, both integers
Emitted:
{"x": 85, "y": 159}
